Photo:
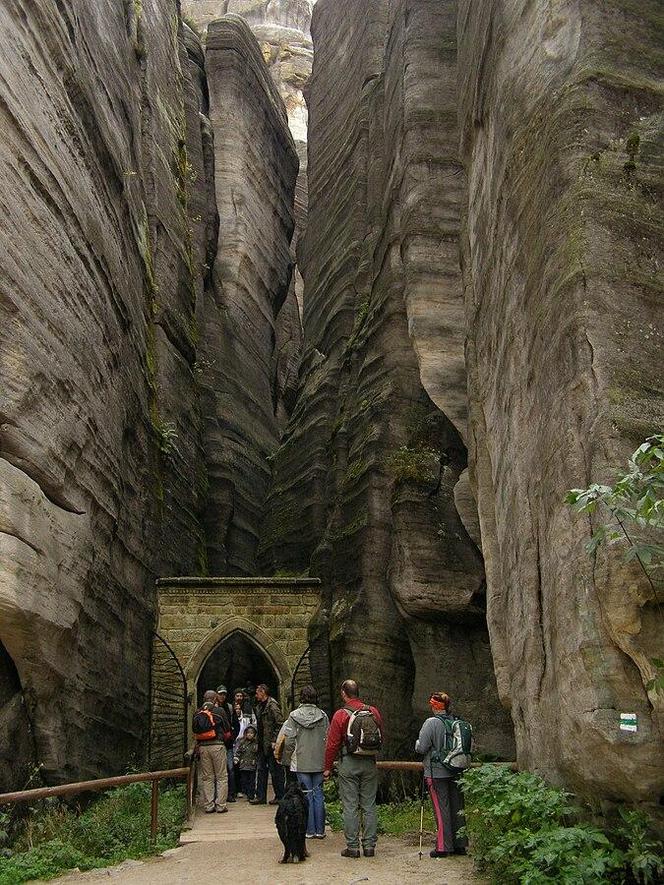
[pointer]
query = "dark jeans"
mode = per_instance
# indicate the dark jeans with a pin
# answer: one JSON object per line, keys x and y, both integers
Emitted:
{"x": 447, "y": 800}
{"x": 247, "y": 782}
{"x": 232, "y": 786}
{"x": 265, "y": 763}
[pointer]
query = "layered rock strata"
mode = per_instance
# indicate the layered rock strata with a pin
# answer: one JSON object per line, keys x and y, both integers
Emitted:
{"x": 364, "y": 482}
{"x": 283, "y": 31}
{"x": 256, "y": 167}
{"x": 109, "y": 285}
{"x": 563, "y": 140}
{"x": 101, "y": 484}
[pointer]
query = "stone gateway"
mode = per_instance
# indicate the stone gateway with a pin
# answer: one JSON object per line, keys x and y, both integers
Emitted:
{"x": 232, "y": 631}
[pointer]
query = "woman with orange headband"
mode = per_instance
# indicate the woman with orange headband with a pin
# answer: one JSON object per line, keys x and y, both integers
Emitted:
{"x": 446, "y": 797}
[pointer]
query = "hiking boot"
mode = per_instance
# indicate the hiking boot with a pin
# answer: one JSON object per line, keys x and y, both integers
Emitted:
{"x": 222, "y": 811}
{"x": 257, "y": 802}
{"x": 436, "y": 853}
{"x": 369, "y": 852}
{"x": 210, "y": 810}
{"x": 319, "y": 835}
{"x": 350, "y": 852}
{"x": 273, "y": 802}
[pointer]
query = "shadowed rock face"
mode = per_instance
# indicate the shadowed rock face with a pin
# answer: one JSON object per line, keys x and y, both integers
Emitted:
{"x": 100, "y": 467}
{"x": 364, "y": 481}
{"x": 109, "y": 281}
{"x": 563, "y": 141}
{"x": 255, "y": 170}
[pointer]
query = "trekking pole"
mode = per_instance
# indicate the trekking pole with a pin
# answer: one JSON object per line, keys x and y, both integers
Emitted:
{"x": 421, "y": 814}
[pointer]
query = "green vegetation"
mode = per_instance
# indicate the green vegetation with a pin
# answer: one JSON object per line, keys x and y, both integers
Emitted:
{"x": 55, "y": 838}
{"x": 409, "y": 464}
{"x": 635, "y": 503}
{"x": 400, "y": 819}
{"x": 522, "y": 830}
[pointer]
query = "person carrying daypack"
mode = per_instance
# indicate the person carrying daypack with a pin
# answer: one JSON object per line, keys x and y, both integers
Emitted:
{"x": 211, "y": 728}
{"x": 446, "y": 743}
{"x": 356, "y": 731}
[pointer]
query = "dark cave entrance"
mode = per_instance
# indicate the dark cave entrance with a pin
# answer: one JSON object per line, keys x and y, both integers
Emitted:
{"x": 237, "y": 662}
{"x": 17, "y": 751}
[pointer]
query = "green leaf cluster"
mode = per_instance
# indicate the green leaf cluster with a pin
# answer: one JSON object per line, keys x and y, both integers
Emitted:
{"x": 56, "y": 837}
{"x": 635, "y": 506}
{"x": 636, "y": 500}
{"x": 523, "y": 830}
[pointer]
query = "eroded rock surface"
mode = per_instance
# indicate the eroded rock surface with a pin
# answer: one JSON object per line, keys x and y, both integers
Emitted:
{"x": 563, "y": 141}
{"x": 111, "y": 296}
{"x": 255, "y": 171}
{"x": 364, "y": 481}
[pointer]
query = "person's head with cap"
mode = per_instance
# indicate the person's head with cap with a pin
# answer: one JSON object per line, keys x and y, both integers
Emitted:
{"x": 439, "y": 702}
{"x": 222, "y": 692}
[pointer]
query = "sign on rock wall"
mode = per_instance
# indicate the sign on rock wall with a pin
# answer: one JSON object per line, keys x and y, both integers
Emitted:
{"x": 195, "y": 616}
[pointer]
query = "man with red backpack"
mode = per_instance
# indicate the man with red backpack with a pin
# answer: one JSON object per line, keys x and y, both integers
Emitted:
{"x": 356, "y": 731}
{"x": 212, "y": 730}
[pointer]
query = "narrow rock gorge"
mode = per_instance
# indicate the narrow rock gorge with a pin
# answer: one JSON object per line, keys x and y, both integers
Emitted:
{"x": 356, "y": 290}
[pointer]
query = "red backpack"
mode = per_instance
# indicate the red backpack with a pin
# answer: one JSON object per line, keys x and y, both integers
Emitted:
{"x": 204, "y": 726}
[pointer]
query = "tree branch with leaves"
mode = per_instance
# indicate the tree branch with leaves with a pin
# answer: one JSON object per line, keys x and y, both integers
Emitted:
{"x": 635, "y": 505}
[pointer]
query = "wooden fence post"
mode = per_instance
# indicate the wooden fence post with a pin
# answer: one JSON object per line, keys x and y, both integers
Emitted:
{"x": 154, "y": 812}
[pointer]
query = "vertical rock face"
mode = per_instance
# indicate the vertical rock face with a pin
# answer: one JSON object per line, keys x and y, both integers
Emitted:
{"x": 364, "y": 481}
{"x": 113, "y": 310}
{"x": 563, "y": 142}
{"x": 99, "y": 425}
{"x": 282, "y": 29}
{"x": 255, "y": 170}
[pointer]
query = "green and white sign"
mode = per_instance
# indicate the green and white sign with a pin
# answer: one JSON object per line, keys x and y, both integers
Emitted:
{"x": 628, "y": 722}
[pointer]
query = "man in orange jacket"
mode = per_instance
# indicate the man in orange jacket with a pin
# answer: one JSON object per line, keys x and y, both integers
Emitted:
{"x": 358, "y": 776}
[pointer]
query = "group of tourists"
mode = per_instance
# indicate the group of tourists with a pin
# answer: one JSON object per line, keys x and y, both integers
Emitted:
{"x": 235, "y": 747}
{"x": 241, "y": 744}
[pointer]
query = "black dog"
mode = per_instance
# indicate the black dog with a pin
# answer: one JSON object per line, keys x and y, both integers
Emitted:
{"x": 291, "y": 821}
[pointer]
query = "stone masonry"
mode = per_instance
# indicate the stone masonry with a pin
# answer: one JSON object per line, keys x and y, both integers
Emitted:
{"x": 196, "y": 614}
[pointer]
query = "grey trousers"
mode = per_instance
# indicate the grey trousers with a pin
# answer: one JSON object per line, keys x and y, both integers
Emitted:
{"x": 358, "y": 782}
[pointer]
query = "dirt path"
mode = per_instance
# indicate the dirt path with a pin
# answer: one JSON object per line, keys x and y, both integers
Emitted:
{"x": 245, "y": 845}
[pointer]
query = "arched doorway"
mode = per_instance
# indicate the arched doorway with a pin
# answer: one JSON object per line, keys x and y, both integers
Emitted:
{"x": 236, "y": 662}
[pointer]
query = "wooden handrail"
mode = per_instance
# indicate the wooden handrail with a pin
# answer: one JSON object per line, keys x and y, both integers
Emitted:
{"x": 418, "y": 766}
{"x": 108, "y": 783}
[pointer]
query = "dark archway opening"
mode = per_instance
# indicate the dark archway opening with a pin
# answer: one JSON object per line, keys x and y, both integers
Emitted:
{"x": 236, "y": 663}
{"x": 17, "y": 754}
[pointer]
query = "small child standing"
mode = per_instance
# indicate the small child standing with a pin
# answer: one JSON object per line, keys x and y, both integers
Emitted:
{"x": 246, "y": 758}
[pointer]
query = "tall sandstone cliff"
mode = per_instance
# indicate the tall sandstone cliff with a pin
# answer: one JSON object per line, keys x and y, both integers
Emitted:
{"x": 562, "y": 112}
{"x": 364, "y": 482}
{"x": 110, "y": 277}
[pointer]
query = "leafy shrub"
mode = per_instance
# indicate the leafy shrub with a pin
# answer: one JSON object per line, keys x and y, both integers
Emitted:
{"x": 499, "y": 801}
{"x": 44, "y": 862}
{"x": 111, "y": 829}
{"x": 577, "y": 855}
{"x": 643, "y": 855}
{"x": 522, "y": 830}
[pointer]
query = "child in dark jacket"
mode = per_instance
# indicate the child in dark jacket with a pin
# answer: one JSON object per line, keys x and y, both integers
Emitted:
{"x": 246, "y": 758}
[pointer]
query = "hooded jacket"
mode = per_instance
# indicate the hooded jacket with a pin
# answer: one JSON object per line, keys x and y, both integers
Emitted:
{"x": 305, "y": 735}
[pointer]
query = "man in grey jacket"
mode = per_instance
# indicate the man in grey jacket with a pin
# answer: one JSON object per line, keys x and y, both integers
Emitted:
{"x": 305, "y": 733}
{"x": 443, "y": 784}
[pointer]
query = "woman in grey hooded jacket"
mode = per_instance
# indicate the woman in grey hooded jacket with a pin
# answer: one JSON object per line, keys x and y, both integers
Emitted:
{"x": 305, "y": 733}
